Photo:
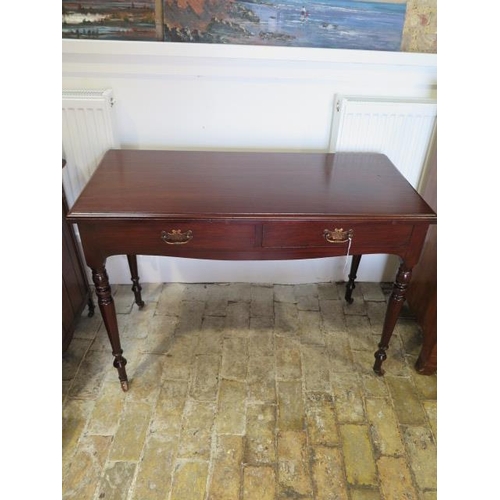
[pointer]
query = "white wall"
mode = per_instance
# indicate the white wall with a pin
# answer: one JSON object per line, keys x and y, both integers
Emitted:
{"x": 197, "y": 96}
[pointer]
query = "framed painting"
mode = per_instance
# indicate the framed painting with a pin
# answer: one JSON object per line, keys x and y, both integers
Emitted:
{"x": 340, "y": 24}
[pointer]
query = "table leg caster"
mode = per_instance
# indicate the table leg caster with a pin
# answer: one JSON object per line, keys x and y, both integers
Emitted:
{"x": 380, "y": 357}
{"x": 348, "y": 297}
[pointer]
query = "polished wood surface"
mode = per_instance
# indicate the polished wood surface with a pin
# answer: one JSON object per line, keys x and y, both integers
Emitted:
{"x": 179, "y": 184}
{"x": 237, "y": 206}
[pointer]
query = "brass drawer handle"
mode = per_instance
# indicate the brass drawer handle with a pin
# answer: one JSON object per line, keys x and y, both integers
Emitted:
{"x": 176, "y": 237}
{"x": 338, "y": 235}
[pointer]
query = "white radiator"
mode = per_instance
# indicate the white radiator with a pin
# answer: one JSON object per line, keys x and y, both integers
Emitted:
{"x": 88, "y": 131}
{"x": 400, "y": 128}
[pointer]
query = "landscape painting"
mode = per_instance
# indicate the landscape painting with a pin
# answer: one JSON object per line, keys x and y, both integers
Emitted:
{"x": 341, "y": 24}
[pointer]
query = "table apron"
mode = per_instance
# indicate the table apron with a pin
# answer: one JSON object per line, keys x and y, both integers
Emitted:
{"x": 241, "y": 240}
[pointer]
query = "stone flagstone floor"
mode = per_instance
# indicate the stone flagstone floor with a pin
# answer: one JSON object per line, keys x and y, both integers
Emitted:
{"x": 248, "y": 392}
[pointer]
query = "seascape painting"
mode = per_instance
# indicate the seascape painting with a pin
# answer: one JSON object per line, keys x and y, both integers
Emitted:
{"x": 340, "y": 24}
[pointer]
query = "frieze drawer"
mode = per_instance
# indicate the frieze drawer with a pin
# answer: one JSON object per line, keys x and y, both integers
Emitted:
{"x": 332, "y": 233}
{"x": 171, "y": 237}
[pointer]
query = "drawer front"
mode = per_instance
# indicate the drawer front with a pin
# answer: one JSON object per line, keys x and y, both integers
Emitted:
{"x": 176, "y": 238}
{"x": 334, "y": 233}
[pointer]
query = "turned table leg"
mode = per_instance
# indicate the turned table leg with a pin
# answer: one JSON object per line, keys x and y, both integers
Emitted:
{"x": 396, "y": 302}
{"x": 107, "y": 307}
{"x": 352, "y": 276}
{"x": 136, "y": 287}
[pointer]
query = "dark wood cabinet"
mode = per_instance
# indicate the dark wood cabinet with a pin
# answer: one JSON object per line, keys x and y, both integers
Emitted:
{"x": 422, "y": 292}
{"x": 76, "y": 293}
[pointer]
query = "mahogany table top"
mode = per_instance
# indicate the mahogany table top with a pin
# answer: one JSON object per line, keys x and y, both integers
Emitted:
{"x": 154, "y": 184}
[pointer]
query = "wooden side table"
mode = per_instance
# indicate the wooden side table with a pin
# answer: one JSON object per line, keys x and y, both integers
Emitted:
{"x": 248, "y": 206}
